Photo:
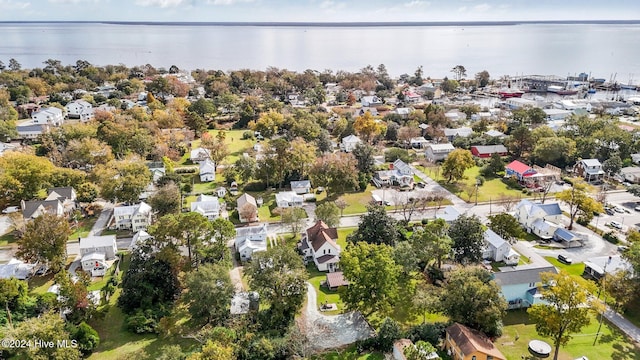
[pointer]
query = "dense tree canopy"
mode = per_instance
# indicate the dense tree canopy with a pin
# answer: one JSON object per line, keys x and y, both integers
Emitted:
{"x": 376, "y": 227}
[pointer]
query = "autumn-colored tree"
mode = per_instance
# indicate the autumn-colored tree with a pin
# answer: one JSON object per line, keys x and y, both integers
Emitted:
{"x": 217, "y": 146}
{"x": 367, "y": 127}
{"x": 45, "y": 241}
{"x": 456, "y": 163}
{"x": 579, "y": 202}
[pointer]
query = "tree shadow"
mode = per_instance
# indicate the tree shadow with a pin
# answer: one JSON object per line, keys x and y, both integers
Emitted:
{"x": 516, "y": 317}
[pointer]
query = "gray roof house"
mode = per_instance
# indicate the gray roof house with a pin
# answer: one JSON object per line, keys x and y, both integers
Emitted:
{"x": 520, "y": 284}
{"x": 301, "y": 187}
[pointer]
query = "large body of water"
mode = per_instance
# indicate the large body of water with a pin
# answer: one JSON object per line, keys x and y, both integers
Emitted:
{"x": 546, "y": 49}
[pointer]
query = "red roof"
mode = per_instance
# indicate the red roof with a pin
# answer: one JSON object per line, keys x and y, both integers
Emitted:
{"x": 519, "y": 167}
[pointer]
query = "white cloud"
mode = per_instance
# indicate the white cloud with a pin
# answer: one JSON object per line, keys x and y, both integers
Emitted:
{"x": 161, "y": 3}
{"x": 227, "y": 2}
{"x": 482, "y": 7}
{"x": 10, "y": 4}
{"x": 462, "y": 9}
{"x": 417, "y": 3}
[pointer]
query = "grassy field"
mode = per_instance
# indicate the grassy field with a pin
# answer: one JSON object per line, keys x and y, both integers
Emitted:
{"x": 357, "y": 201}
{"x": 342, "y": 236}
{"x": 492, "y": 189}
{"x": 573, "y": 269}
{"x": 8, "y": 238}
{"x": 118, "y": 343}
{"x": 611, "y": 344}
{"x": 350, "y": 353}
{"x": 235, "y": 144}
{"x": 83, "y": 228}
{"x": 324, "y": 294}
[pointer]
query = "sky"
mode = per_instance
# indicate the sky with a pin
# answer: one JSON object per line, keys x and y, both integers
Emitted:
{"x": 317, "y": 10}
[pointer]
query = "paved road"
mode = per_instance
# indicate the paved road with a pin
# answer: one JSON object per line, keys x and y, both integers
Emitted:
{"x": 101, "y": 223}
{"x": 623, "y": 324}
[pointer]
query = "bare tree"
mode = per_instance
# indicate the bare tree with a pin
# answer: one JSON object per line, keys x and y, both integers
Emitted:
{"x": 508, "y": 202}
{"x": 545, "y": 188}
{"x": 341, "y": 204}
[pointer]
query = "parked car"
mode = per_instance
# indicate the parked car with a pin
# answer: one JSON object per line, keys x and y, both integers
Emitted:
{"x": 609, "y": 211}
{"x": 10, "y": 209}
{"x": 421, "y": 184}
{"x": 565, "y": 259}
{"x": 616, "y": 225}
{"x": 622, "y": 248}
{"x": 637, "y": 208}
{"x": 618, "y": 209}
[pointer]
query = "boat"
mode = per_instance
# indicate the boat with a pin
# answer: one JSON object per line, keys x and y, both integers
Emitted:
{"x": 560, "y": 90}
{"x": 510, "y": 93}
{"x": 591, "y": 91}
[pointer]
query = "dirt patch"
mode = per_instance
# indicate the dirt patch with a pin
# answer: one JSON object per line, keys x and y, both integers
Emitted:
{"x": 331, "y": 331}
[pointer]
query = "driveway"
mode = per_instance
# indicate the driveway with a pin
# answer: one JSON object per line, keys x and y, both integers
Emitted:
{"x": 101, "y": 223}
{"x": 331, "y": 331}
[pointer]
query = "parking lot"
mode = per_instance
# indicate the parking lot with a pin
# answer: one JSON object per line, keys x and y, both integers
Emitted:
{"x": 622, "y": 210}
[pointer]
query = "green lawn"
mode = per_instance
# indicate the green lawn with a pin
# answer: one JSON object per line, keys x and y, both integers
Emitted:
{"x": 573, "y": 269}
{"x": 117, "y": 343}
{"x": 611, "y": 344}
{"x": 83, "y": 228}
{"x": 342, "y": 236}
{"x": 324, "y": 294}
{"x": 350, "y": 353}
{"x": 492, "y": 189}
{"x": 357, "y": 201}
{"x": 8, "y": 238}
{"x": 235, "y": 144}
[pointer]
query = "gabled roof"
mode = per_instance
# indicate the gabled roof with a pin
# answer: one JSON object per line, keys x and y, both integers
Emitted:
{"x": 519, "y": 167}
{"x": 402, "y": 167}
{"x": 200, "y": 153}
{"x": 33, "y": 206}
{"x": 549, "y": 209}
{"x": 591, "y": 162}
{"x": 63, "y": 193}
{"x": 207, "y": 167}
{"x": 522, "y": 274}
{"x": 301, "y": 184}
{"x": 494, "y": 239}
{"x": 463, "y": 132}
{"x": 494, "y": 133}
{"x": 97, "y": 241}
{"x": 17, "y": 269}
{"x": 490, "y": 149}
{"x": 320, "y": 233}
{"x": 470, "y": 341}
{"x": 564, "y": 234}
{"x": 351, "y": 138}
{"x": 441, "y": 147}
{"x": 336, "y": 279}
{"x": 246, "y": 199}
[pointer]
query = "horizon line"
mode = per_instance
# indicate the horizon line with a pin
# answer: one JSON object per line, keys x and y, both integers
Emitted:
{"x": 321, "y": 24}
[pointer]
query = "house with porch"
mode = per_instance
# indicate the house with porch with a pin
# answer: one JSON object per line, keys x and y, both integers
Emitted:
{"x": 349, "y": 143}
{"x": 438, "y": 152}
{"x": 79, "y": 109}
{"x": 132, "y": 217}
{"x": 520, "y": 285}
{"x": 301, "y": 187}
{"x": 66, "y": 195}
{"x": 48, "y": 116}
{"x": 207, "y": 171}
{"x": 33, "y": 208}
{"x": 630, "y": 174}
{"x": 539, "y": 219}
{"x": 399, "y": 174}
{"x": 589, "y": 169}
{"x": 247, "y": 208}
{"x": 463, "y": 343}
{"x": 95, "y": 251}
{"x": 373, "y": 100}
{"x": 206, "y": 205}
{"x": 250, "y": 240}
{"x": 318, "y": 243}
{"x": 498, "y": 249}
{"x": 285, "y": 199}
{"x": 518, "y": 169}
{"x": 199, "y": 155}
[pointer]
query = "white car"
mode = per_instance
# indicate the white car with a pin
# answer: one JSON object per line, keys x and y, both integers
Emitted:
{"x": 618, "y": 209}
{"x": 616, "y": 224}
{"x": 10, "y": 209}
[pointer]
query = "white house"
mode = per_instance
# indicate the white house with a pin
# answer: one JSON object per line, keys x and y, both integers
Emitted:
{"x": 589, "y": 169}
{"x": 301, "y": 187}
{"x": 48, "y": 116}
{"x": 246, "y": 204}
{"x": 498, "y": 249}
{"x": 199, "y": 155}
{"x": 631, "y": 174}
{"x": 208, "y": 206}
{"x": 207, "y": 171}
{"x": 418, "y": 142}
{"x": 34, "y": 208}
{"x": 80, "y": 109}
{"x": 285, "y": 199}
{"x": 370, "y": 101}
{"x": 66, "y": 195}
{"x": 437, "y": 152}
{"x": 95, "y": 251}
{"x": 138, "y": 239}
{"x": 318, "y": 243}
{"x": 250, "y": 240}
{"x": 32, "y": 131}
{"x": 4, "y": 147}
{"x": 451, "y": 134}
{"x": 132, "y": 217}
{"x": 539, "y": 219}
{"x": 349, "y": 143}
{"x": 17, "y": 269}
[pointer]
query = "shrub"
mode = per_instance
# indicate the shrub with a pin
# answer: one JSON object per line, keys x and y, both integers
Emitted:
{"x": 430, "y": 333}
{"x": 394, "y": 154}
{"x": 255, "y": 186}
{"x": 142, "y": 322}
{"x": 247, "y": 135}
{"x": 568, "y": 180}
{"x": 189, "y": 170}
{"x": 87, "y": 337}
{"x": 611, "y": 237}
{"x": 424, "y": 221}
{"x": 512, "y": 182}
{"x": 480, "y": 180}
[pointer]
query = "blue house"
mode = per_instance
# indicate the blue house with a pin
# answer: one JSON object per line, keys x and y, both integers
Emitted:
{"x": 520, "y": 285}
